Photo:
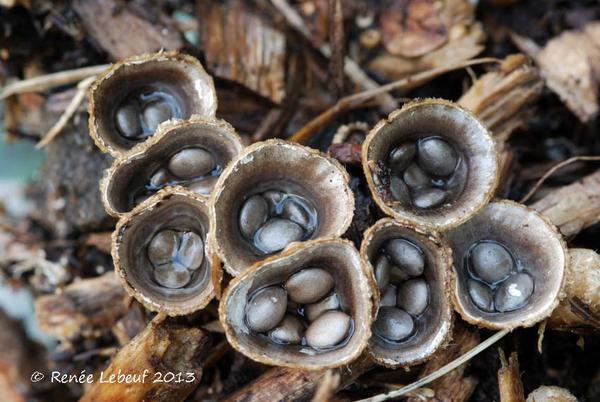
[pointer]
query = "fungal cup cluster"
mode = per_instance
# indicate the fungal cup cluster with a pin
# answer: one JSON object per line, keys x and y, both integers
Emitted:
{"x": 496, "y": 283}
{"x": 425, "y": 173}
{"x": 312, "y": 304}
{"x": 399, "y": 269}
{"x": 304, "y": 310}
{"x": 271, "y": 220}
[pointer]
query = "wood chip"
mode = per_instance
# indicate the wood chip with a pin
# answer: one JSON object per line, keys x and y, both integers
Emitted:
{"x": 121, "y": 32}
{"x": 241, "y": 46}
{"x": 570, "y": 65}
{"x": 573, "y": 207}
{"x": 502, "y": 98}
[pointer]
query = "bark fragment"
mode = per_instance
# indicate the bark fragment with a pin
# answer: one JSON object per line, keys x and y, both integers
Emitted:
{"x": 121, "y": 32}
{"x": 241, "y": 46}
{"x": 502, "y": 98}
{"x": 412, "y": 28}
{"x": 570, "y": 65}
{"x": 573, "y": 207}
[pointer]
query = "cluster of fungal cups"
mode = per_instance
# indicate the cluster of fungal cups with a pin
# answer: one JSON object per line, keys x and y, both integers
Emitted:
{"x": 155, "y": 114}
{"x": 303, "y": 310}
{"x": 188, "y": 193}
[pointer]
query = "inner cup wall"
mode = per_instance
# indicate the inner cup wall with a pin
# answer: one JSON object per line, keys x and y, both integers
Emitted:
{"x": 170, "y": 214}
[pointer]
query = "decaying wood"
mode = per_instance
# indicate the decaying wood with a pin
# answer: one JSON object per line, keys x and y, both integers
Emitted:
{"x": 121, "y": 32}
{"x": 163, "y": 347}
{"x": 561, "y": 165}
{"x": 551, "y": 394}
{"x": 285, "y": 384}
{"x": 574, "y": 207}
{"x": 241, "y": 46}
{"x": 509, "y": 379}
{"x": 100, "y": 240}
{"x": 570, "y": 65}
{"x": 455, "y": 386}
{"x": 579, "y": 311}
{"x": 86, "y": 308}
{"x": 502, "y": 98}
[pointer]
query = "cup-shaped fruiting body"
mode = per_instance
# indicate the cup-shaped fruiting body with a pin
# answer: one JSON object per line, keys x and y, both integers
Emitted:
{"x": 275, "y": 193}
{"x": 431, "y": 163}
{"x": 129, "y": 100}
{"x": 509, "y": 264}
{"x": 412, "y": 269}
{"x": 190, "y": 153}
{"x": 309, "y": 307}
{"x": 161, "y": 254}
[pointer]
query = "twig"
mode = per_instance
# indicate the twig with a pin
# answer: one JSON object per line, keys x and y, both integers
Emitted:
{"x": 552, "y": 170}
{"x": 355, "y": 100}
{"x": 49, "y": 81}
{"x": 442, "y": 371}
{"x": 351, "y": 68}
{"x": 68, "y": 113}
